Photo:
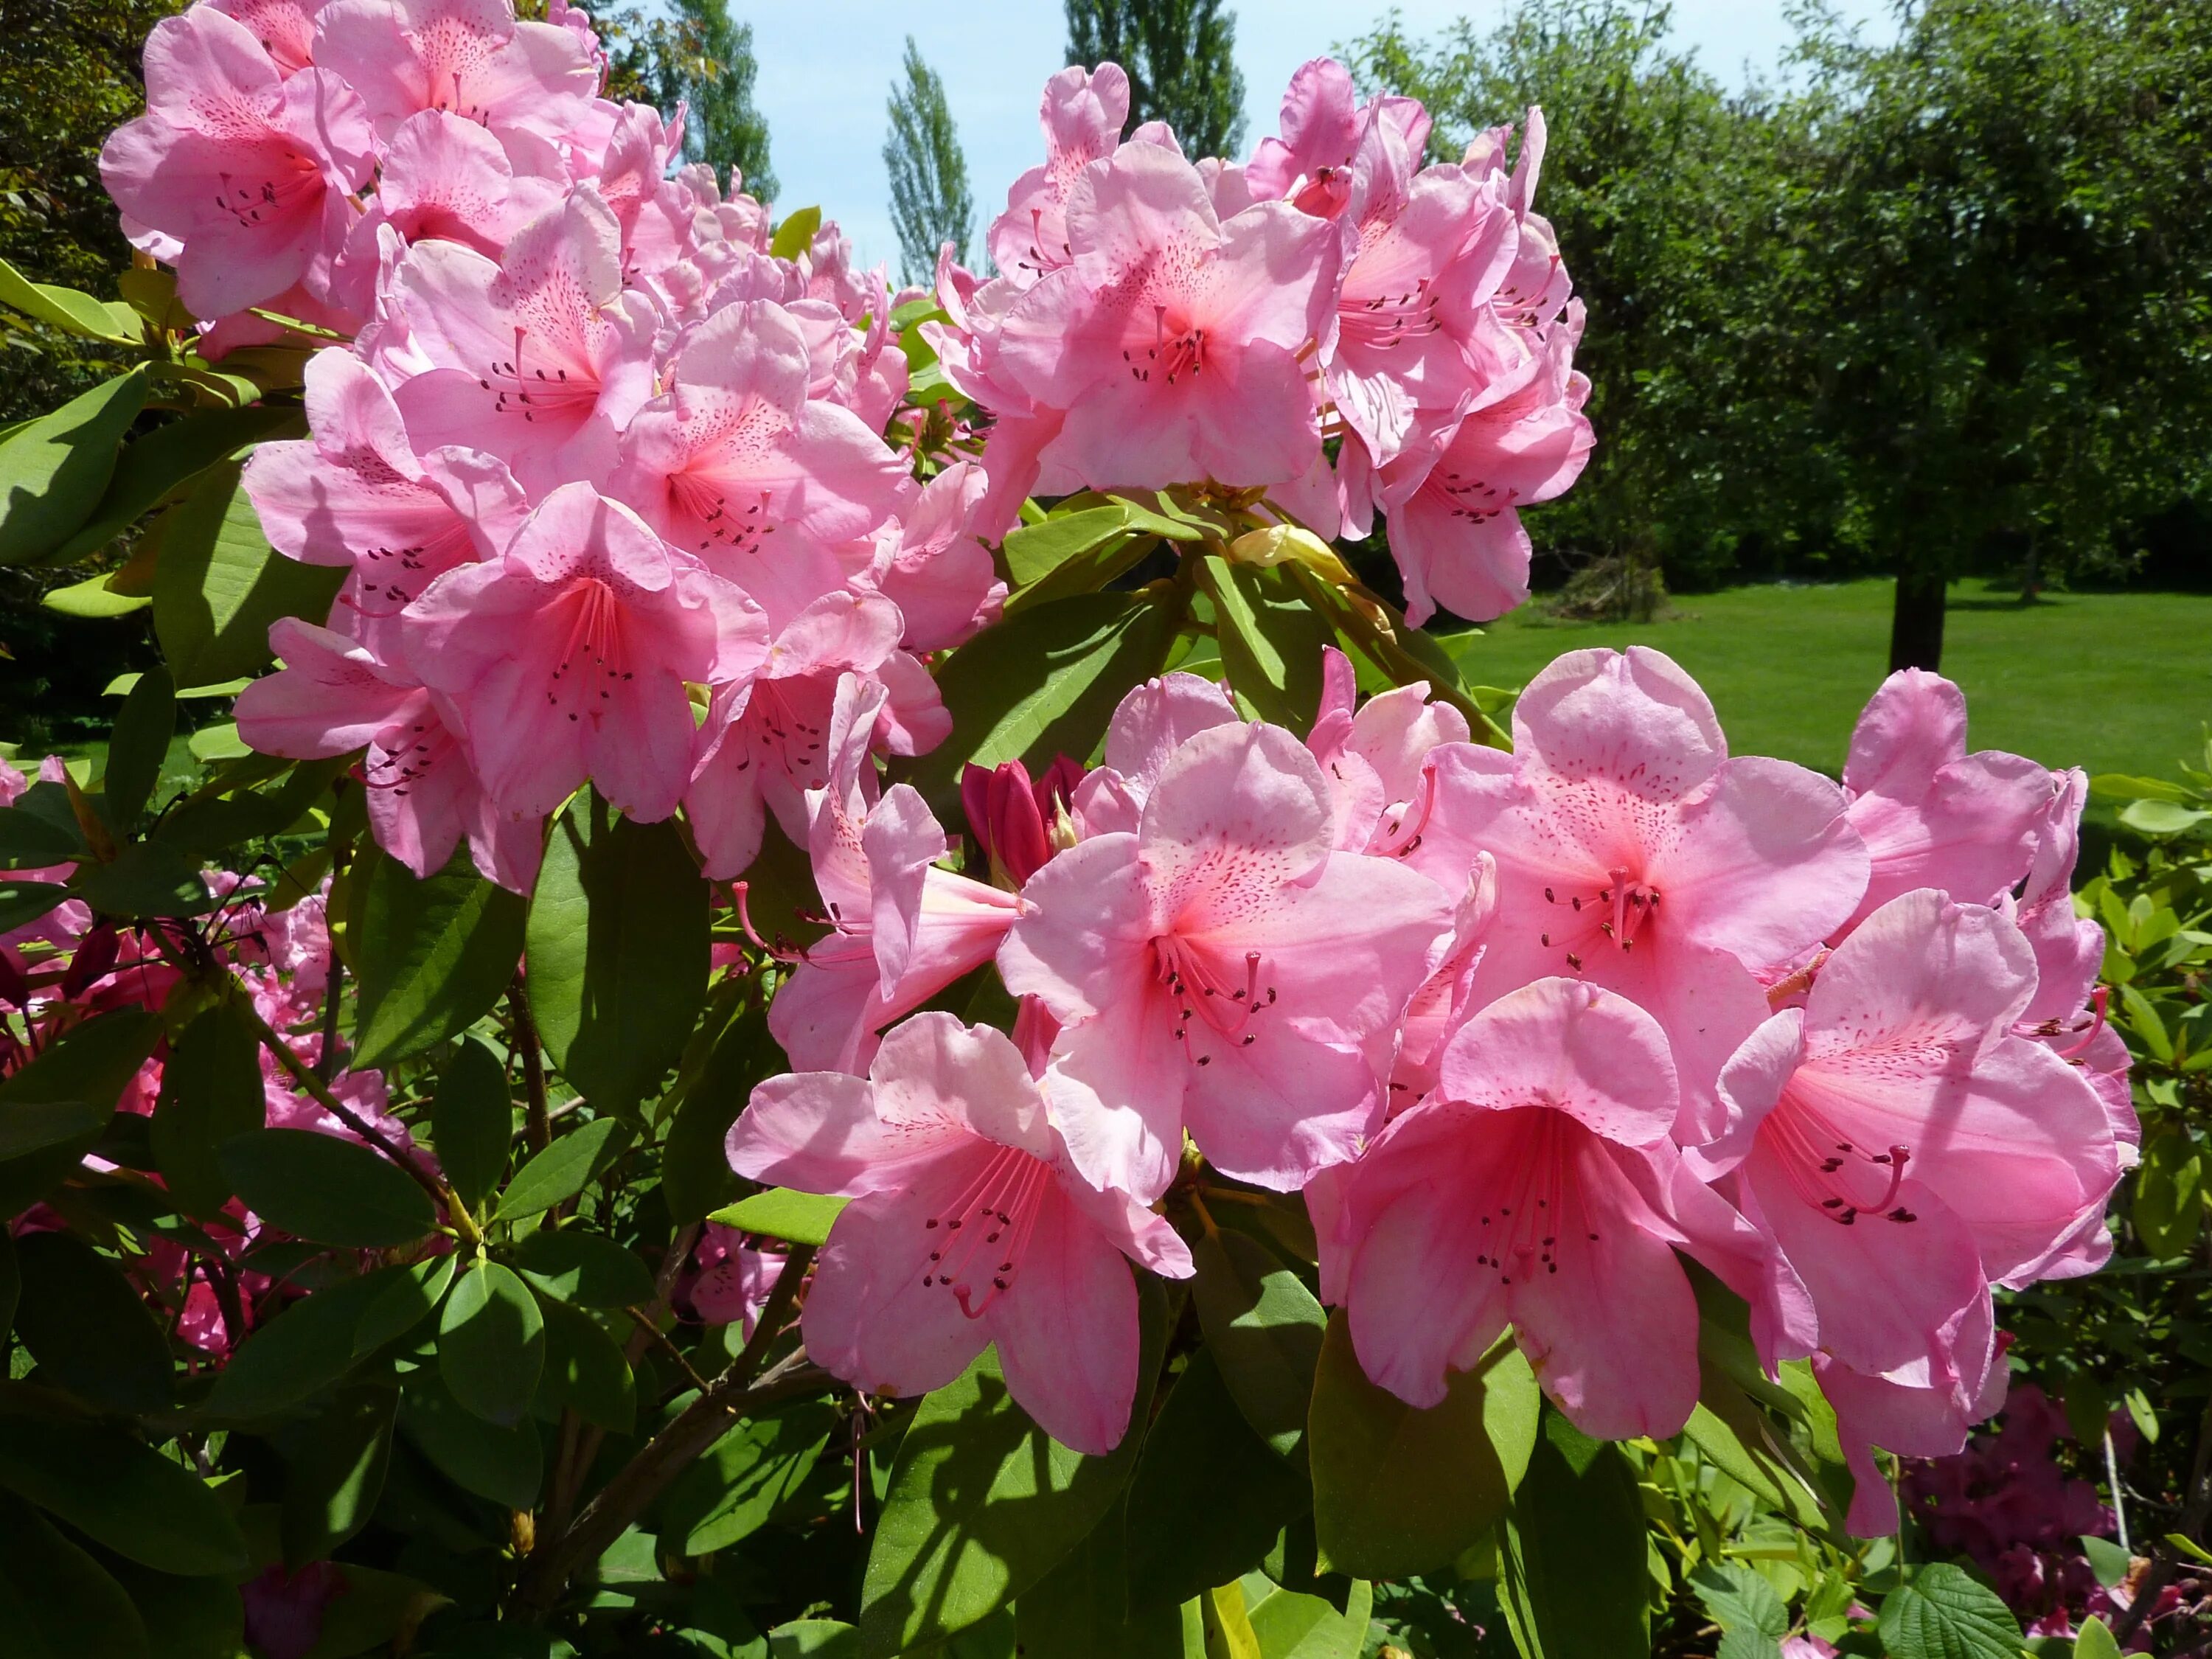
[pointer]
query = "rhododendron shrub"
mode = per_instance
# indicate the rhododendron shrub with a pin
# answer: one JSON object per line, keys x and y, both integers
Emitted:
{"x": 833, "y": 962}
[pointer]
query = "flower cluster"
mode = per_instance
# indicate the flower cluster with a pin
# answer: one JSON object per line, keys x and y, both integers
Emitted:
{"x": 1525, "y": 1028}
{"x": 1156, "y": 321}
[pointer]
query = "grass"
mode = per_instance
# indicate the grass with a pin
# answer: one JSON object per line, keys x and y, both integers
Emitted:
{"x": 2112, "y": 682}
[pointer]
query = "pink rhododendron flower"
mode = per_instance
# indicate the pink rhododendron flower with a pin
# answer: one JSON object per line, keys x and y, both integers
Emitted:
{"x": 442, "y": 178}
{"x": 540, "y": 359}
{"x": 468, "y": 57}
{"x": 1634, "y": 852}
{"x": 1322, "y": 130}
{"x": 1082, "y": 114}
{"x": 248, "y": 173}
{"x": 1537, "y": 1188}
{"x": 1013, "y": 819}
{"x": 970, "y": 1225}
{"x": 902, "y": 929}
{"x": 567, "y": 657}
{"x": 1931, "y": 814}
{"x": 1222, "y": 966}
{"x": 933, "y": 566}
{"x": 1151, "y": 723}
{"x": 729, "y": 1284}
{"x": 285, "y": 28}
{"x": 1171, "y": 338}
{"x": 1377, "y": 756}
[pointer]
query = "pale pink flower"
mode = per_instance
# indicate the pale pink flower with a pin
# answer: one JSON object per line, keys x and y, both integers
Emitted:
{"x": 568, "y": 656}
{"x": 901, "y": 928}
{"x": 932, "y": 565}
{"x": 735, "y": 463}
{"x": 442, "y": 178}
{"x": 246, "y": 174}
{"x": 468, "y": 57}
{"x": 1082, "y": 114}
{"x": 729, "y": 1283}
{"x": 1537, "y": 1189}
{"x": 1926, "y": 1409}
{"x": 1221, "y": 966}
{"x": 1634, "y": 852}
{"x": 285, "y": 28}
{"x": 541, "y": 359}
{"x": 1152, "y": 721}
{"x": 1322, "y": 130}
{"x": 1377, "y": 757}
{"x": 1931, "y": 814}
{"x": 970, "y": 1225}
{"x": 1172, "y": 339}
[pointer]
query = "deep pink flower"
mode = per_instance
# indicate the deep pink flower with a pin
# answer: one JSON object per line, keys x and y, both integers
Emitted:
{"x": 738, "y": 466}
{"x": 1172, "y": 338}
{"x": 970, "y": 1225}
{"x": 1634, "y": 852}
{"x": 541, "y": 359}
{"x": 247, "y": 173}
{"x": 284, "y": 1611}
{"x": 1931, "y": 814}
{"x": 567, "y": 657}
{"x": 1537, "y": 1189}
{"x": 902, "y": 929}
{"x": 1011, "y": 817}
{"x": 1222, "y": 966}
{"x": 728, "y": 1283}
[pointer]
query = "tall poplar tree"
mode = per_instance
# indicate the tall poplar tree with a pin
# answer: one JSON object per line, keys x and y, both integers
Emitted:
{"x": 707, "y": 60}
{"x": 930, "y": 202}
{"x": 1181, "y": 56}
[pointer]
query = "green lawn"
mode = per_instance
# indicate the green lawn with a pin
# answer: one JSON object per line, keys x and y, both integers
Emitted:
{"x": 2112, "y": 682}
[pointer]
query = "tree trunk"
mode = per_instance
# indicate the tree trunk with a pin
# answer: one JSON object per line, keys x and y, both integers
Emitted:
{"x": 1916, "y": 625}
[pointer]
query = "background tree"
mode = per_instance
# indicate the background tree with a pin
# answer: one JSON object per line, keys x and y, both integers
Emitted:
{"x": 1180, "y": 55}
{"x": 930, "y": 202}
{"x": 704, "y": 56}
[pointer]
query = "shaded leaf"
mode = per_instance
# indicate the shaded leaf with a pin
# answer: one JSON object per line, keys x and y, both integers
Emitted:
{"x": 432, "y": 956}
{"x": 336, "y": 1475}
{"x": 491, "y": 1344}
{"x": 585, "y": 1370}
{"x": 54, "y": 469}
{"x": 55, "y": 1602}
{"x": 584, "y": 1268}
{"x": 472, "y": 1121}
{"x": 211, "y": 1089}
{"x": 564, "y": 1169}
{"x": 86, "y": 1326}
{"x": 1266, "y": 1330}
{"x": 332, "y": 1191}
{"x": 504, "y": 1464}
{"x": 144, "y": 727}
{"x": 1572, "y": 1577}
{"x": 219, "y": 583}
{"x": 731, "y": 1492}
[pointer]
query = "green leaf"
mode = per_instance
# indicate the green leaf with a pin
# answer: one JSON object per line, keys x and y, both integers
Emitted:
{"x": 2095, "y": 1640}
{"x": 585, "y": 1268}
{"x": 374, "y": 1612}
{"x": 695, "y": 1177}
{"x": 118, "y": 1492}
{"x": 1943, "y": 1613}
{"x": 746, "y": 1476}
{"x": 796, "y": 234}
{"x": 1035, "y": 550}
{"x": 506, "y": 1465}
{"x": 319, "y": 1187}
{"x": 93, "y": 599}
{"x": 1081, "y": 1608}
{"x": 29, "y": 839}
{"x": 146, "y": 878}
{"x": 1208, "y": 1496}
{"x": 1740, "y": 1599}
{"x": 199, "y": 1618}
{"x": 87, "y": 1069}
{"x": 218, "y": 584}
{"x": 2169, "y": 1207}
{"x": 1398, "y": 1491}
{"x": 1271, "y": 640}
{"x": 472, "y": 1121}
{"x": 585, "y": 1369}
{"x": 86, "y": 1326}
{"x": 67, "y": 308}
{"x": 1572, "y": 1577}
{"x": 2107, "y": 1560}
{"x": 154, "y": 466}
{"x": 779, "y": 1213}
{"x": 23, "y": 902}
{"x": 143, "y": 727}
{"x": 982, "y": 1502}
{"x": 564, "y": 1169}
{"x": 336, "y": 1475}
{"x": 1266, "y": 1331}
{"x": 53, "y": 470}
{"x": 1290, "y": 1625}
{"x": 618, "y": 951}
{"x": 1734, "y": 1436}
{"x": 313, "y": 1343}
{"x": 433, "y": 956}
{"x": 211, "y": 1089}
{"x": 55, "y": 1602}
{"x": 491, "y": 1344}
{"x": 2162, "y": 817}
{"x": 1045, "y": 682}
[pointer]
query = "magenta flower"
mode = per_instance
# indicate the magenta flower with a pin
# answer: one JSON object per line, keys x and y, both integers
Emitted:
{"x": 242, "y": 177}
{"x": 1172, "y": 338}
{"x": 568, "y": 656}
{"x": 1222, "y": 966}
{"x": 541, "y": 359}
{"x": 1013, "y": 818}
{"x": 1537, "y": 1189}
{"x": 738, "y": 466}
{"x": 902, "y": 929}
{"x": 1931, "y": 814}
{"x": 1634, "y": 852}
{"x": 970, "y": 1225}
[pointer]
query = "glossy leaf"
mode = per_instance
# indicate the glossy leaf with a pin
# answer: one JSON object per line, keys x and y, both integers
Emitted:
{"x": 1082, "y": 1608}
{"x": 1271, "y": 640}
{"x": 504, "y": 1464}
{"x": 472, "y": 1121}
{"x": 432, "y": 956}
{"x": 1572, "y": 1577}
{"x": 745, "y": 1476}
{"x": 1034, "y": 550}
{"x": 332, "y": 1191}
{"x": 779, "y": 1213}
{"x": 336, "y": 1475}
{"x": 23, "y": 901}
{"x": 146, "y": 878}
{"x": 219, "y": 583}
{"x": 585, "y": 1370}
{"x": 795, "y": 235}
{"x": 1290, "y": 1625}
{"x": 564, "y": 1169}
{"x": 618, "y": 951}
{"x": 1265, "y": 1329}
{"x": 85, "y": 1071}
{"x": 211, "y": 1089}
{"x": 69, "y": 309}
{"x": 1398, "y": 1491}
{"x": 585, "y": 1268}
{"x": 491, "y": 1344}
{"x": 152, "y": 467}
{"x": 315, "y": 1340}
{"x": 54, "y": 469}
{"x": 144, "y": 727}
{"x": 118, "y": 1492}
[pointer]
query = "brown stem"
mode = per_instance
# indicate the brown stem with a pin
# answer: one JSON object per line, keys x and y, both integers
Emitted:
{"x": 536, "y": 1124}
{"x": 326, "y": 1058}
{"x": 697, "y": 1427}
{"x": 2196, "y": 1509}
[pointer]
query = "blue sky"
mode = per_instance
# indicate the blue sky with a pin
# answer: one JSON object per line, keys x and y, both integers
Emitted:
{"x": 826, "y": 67}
